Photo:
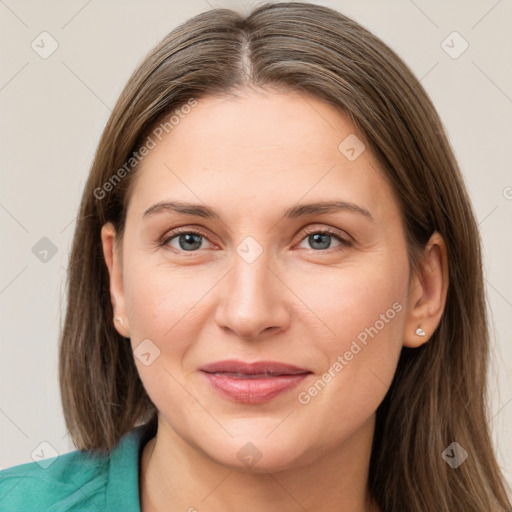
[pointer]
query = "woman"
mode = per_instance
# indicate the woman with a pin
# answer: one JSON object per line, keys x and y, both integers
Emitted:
{"x": 276, "y": 298}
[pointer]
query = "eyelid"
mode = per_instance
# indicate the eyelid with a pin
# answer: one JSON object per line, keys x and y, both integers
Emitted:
{"x": 308, "y": 230}
{"x": 169, "y": 235}
{"x": 345, "y": 241}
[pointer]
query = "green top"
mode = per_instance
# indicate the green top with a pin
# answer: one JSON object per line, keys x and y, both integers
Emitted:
{"x": 80, "y": 480}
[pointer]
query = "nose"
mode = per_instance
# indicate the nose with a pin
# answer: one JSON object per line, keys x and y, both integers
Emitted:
{"x": 253, "y": 303}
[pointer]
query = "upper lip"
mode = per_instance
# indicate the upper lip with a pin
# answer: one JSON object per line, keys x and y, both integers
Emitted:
{"x": 256, "y": 368}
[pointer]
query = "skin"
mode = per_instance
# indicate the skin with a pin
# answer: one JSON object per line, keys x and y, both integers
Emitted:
{"x": 251, "y": 157}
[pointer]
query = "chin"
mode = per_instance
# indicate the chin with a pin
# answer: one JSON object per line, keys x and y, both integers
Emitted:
{"x": 263, "y": 456}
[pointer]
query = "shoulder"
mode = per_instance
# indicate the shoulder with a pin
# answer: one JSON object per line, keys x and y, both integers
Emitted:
{"x": 70, "y": 481}
{"x": 77, "y": 481}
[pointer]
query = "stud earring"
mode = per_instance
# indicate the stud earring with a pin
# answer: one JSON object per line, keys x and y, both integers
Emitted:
{"x": 419, "y": 331}
{"x": 118, "y": 319}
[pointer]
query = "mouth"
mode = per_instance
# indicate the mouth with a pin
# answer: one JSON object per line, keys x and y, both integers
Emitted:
{"x": 253, "y": 383}
{"x": 264, "y": 368}
{"x": 249, "y": 375}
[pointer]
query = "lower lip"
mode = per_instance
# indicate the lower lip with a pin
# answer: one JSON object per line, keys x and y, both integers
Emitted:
{"x": 255, "y": 390}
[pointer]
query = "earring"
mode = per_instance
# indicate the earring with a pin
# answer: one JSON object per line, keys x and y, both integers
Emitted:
{"x": 419, "y": 331}
{"x": 118, "y": 319}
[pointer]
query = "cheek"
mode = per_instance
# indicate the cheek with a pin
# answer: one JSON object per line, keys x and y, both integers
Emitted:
{"x": 163, "y": 313}
{"x": 362, "y": 300}
{"x": 162, "y": 301}
{"x": 365, "y": 308}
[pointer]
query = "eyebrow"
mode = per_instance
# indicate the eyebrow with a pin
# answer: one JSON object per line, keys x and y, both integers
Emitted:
{"x": 300, "y": 210}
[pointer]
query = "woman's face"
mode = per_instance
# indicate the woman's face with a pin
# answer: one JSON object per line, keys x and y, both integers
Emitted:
{"x": 252, "y": 278}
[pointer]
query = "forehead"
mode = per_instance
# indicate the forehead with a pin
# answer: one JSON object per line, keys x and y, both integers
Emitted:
{"x": 258, "y": 149}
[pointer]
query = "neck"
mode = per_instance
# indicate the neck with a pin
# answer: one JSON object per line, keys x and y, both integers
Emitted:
{"x": 176, "y": 476}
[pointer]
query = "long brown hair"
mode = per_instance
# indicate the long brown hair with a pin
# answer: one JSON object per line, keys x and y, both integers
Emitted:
{"x": 438, "y": 394}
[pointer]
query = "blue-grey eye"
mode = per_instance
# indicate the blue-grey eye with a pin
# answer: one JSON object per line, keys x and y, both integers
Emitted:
{"x": 188, "y": 241}
{"x": 320, "y": 240}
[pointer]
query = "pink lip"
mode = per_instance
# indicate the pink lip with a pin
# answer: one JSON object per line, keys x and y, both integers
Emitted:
{"x": 258, "y": 367}
{"x": 253, "y": 383}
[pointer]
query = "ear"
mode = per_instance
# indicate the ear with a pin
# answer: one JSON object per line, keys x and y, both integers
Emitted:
{"x": 113, "y": 259}
{"x": 427, "y": 293}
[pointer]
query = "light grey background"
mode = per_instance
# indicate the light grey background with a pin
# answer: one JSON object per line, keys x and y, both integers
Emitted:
{"x": 53, "y": 111}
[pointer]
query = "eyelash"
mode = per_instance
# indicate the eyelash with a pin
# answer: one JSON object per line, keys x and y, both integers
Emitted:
{"x": 324, "y": 231}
